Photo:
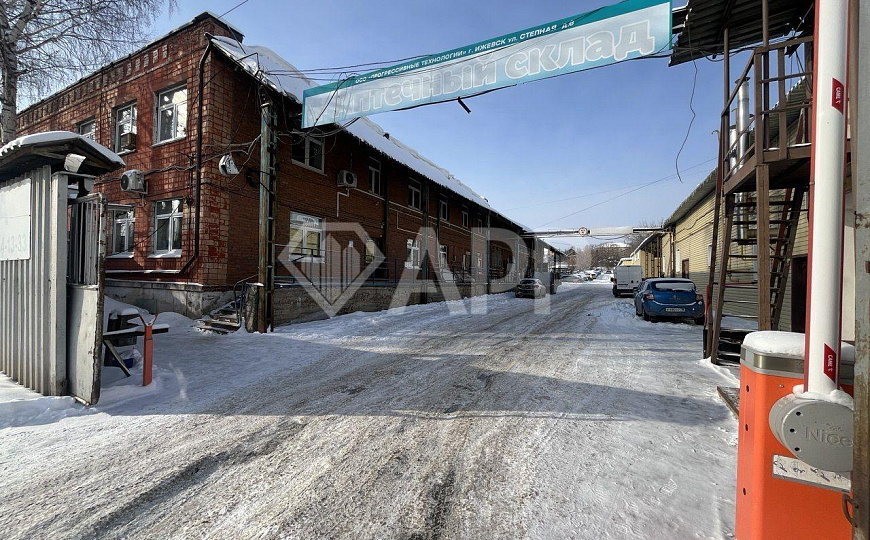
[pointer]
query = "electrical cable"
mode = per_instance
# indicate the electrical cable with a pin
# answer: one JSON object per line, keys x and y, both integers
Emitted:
{"x": 691, "y": 108}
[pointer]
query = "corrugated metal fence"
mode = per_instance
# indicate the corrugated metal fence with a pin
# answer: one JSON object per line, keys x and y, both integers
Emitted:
{"x": 33, "y": 292}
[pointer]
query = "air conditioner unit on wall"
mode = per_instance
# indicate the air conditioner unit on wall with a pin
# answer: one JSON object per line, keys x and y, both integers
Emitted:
{"x": 133, "y": 181}
{"x": 346, "y": 179}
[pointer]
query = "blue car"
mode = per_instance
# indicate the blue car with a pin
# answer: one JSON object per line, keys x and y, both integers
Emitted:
{"x": 669, "y": 298}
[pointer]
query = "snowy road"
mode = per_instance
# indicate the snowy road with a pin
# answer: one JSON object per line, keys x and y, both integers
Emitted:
{"x": 582, "y": 423}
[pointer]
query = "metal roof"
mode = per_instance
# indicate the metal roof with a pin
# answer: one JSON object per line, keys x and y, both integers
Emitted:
{"x": 51, "y": 148}
{"x": 704, "y": 189}
{"x": 699, "y": 25}
{"x": 646, "y": 241}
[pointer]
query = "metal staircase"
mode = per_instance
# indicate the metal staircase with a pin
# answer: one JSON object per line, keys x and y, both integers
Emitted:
{"x": 736, "y": 295}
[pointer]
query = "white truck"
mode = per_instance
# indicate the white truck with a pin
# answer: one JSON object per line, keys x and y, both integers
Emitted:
{"x": 626, "y": 278}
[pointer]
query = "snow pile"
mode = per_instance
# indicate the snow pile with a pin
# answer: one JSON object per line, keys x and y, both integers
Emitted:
{"x": 773, "y": 342}
{"x": 730, "y": 376}
{"x": 22, "y": 407}
{"x": 270, "y": 68}
{"x": 834, "y": 396}
{"x": 789, "y": 344}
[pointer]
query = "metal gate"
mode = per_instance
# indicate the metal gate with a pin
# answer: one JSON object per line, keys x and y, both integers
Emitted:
{"x": 86, "y": 258}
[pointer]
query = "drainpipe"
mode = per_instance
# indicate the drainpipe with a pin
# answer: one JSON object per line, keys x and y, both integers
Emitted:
{"x": 824, "y": 297}
{"x": 199, "y": 108}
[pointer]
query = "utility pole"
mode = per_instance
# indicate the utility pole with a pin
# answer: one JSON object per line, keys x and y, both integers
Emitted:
{"x": 268, "y": 210}
{"x": 860, "y": 88}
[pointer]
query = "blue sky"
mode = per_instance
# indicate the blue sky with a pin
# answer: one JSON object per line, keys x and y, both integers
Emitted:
{"x": 564, "y": 139}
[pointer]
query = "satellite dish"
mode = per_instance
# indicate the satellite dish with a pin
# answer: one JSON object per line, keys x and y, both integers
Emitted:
{"x": 227, "y": 166}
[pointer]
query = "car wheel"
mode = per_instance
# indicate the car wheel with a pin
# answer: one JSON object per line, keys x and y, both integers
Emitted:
{"x": 615, "y": 294}
{"x": 653, "y": 319}
{"x": 645, "y": 315}
{"x": 699, "y": 320}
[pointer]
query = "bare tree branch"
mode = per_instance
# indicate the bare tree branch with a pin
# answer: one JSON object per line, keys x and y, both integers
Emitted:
{"x": 48, "y": 43}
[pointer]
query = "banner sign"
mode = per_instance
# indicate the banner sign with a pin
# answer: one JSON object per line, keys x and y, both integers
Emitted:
{"x": 15, "y": 221}
{"x": 630, "y": 29}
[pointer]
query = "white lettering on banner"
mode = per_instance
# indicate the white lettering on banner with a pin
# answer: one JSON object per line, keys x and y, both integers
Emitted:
{"x": 634, "y": 38}
{"x": 15, "y": 221}
{"x": 535, "y": 54}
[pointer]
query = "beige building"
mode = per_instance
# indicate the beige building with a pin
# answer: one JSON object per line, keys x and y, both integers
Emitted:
{"x": 686, "y": 251}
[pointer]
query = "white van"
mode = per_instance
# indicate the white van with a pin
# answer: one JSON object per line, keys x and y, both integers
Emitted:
{"x": 626, "y": 279}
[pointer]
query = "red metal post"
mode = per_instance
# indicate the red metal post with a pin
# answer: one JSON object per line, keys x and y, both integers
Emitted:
{"x": 148, "y": 354}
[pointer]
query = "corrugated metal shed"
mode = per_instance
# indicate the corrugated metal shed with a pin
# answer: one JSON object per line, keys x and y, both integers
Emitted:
{"x": 33, "y": 254}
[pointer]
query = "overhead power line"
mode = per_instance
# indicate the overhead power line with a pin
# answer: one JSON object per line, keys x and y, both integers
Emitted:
{"x": 587, "y": 195}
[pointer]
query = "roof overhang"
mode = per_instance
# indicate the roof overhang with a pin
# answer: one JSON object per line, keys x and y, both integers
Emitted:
{"x": 699, "y": 26}
{"x": 52, "y": 148}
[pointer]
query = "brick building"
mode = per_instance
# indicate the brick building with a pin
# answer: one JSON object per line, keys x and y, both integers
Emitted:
{"x": 183, "y": 242}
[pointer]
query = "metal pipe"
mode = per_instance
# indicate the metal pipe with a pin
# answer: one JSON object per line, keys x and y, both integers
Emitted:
{"x": 824, "y": 297}
{"x": 198, "y": 173}
{"x": 742, "y": 119}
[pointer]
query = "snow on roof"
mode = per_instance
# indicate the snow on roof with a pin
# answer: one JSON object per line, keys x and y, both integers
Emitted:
{"x": 705, "y": 188}
{"x": 52, "y": 137}
{"x": 270, "y": 68}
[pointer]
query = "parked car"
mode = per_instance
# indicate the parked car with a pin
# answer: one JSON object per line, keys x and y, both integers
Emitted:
{"x": 530, "y": 287}
{"x": 669, "y": 297}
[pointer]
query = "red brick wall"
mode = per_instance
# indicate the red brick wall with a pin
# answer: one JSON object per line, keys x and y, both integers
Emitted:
{"x": 231, "y": 122}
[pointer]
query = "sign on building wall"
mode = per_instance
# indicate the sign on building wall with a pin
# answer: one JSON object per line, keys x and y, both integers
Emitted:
{"x": 607, "y": 35}
{"x": 15, "y": 221}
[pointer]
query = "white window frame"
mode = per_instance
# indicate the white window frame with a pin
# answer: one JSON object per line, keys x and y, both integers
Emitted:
{"x": 375, "y": 183}
{"x": 91, "y": 133}
{"x": 173, "y": 216}
{"x": 415, "y": 194}
{"x": 116, "y": 138}
{"x": 412, "y": 254}
{"x": 444, "y": 209}
{"x": 309, "y": 141}
{"x": 465, "y": 218}
{"x": 443, "y": 261}
{"x": 303, "y": 224}
{"x": 175, "y": 108}
{"x": 128, "y": 218}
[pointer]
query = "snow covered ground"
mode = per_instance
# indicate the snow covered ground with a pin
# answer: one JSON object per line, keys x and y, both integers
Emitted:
{"x": 582, "y": 423}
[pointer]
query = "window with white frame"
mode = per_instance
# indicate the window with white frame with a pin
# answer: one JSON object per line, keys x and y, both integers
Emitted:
{"x": 443, "y": 209}
{"x": 465, "y": 218}
{"x": 412, "y": 258}
{"x": 171, "y": 114}
{"x": 123, "y": 223}
{"x": 125, "y": 128}
{"x": 480, "y": 223}
{"x": 442, "y": 257}
{"x": 308, "y": 152}
{"x": 414, "y": 197}
{"x": 371, "y": 248}
{"x": 88, "y": 129}
{"x": 168, "y": 216}
{"x": 306, "y": 235}
{"x": 375, "y": 177}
